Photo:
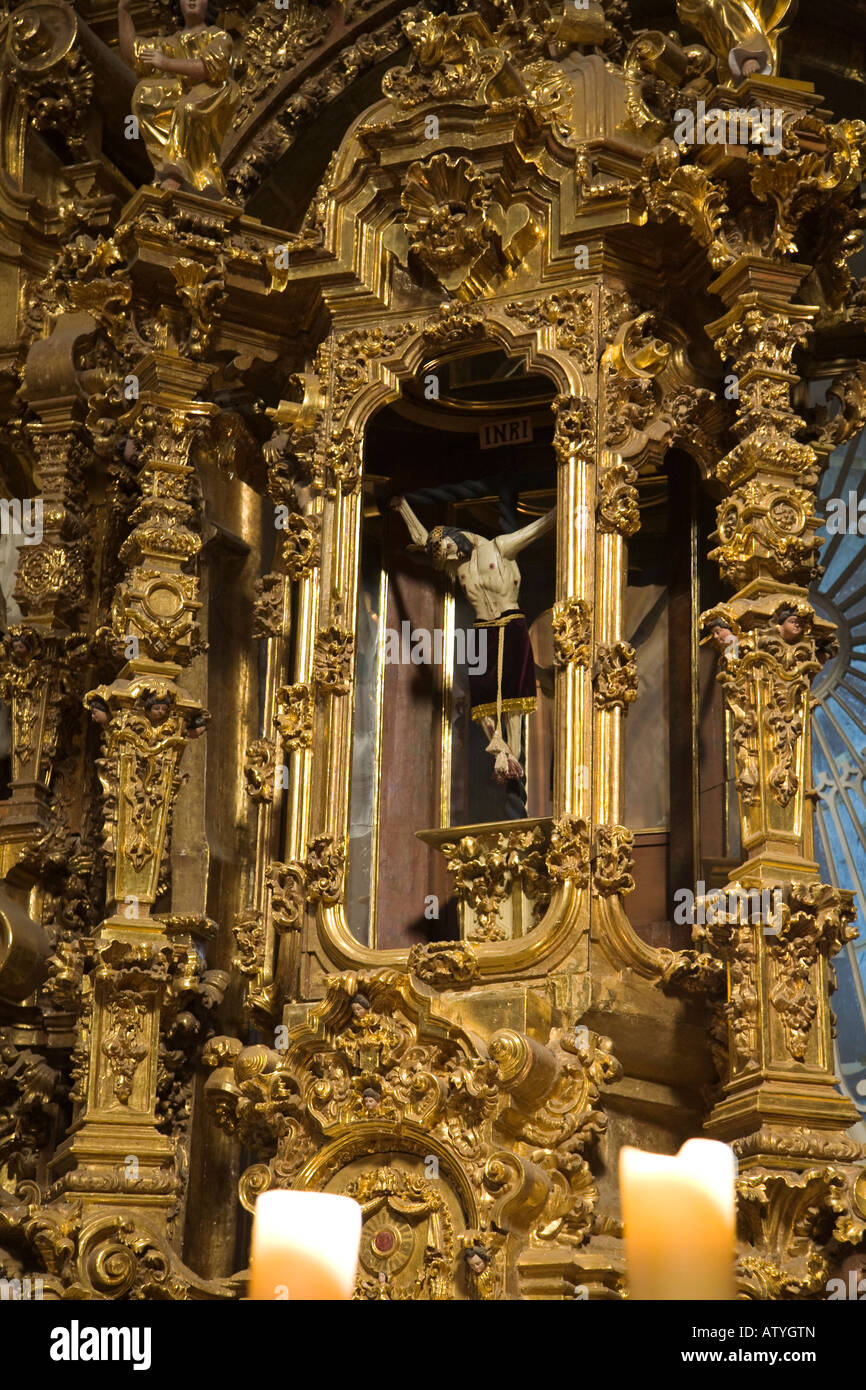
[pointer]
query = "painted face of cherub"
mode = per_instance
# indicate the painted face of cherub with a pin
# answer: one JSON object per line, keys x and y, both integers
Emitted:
{"x": 722, "y": 637}
{"x": 792, "y": 629}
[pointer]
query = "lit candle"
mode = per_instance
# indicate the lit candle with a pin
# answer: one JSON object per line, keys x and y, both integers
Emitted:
{"x": 304, "y": 1246}
{"x": 679, "y": 1215}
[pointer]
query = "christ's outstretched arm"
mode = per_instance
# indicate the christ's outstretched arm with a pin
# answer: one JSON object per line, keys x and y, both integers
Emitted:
{"x": 417, "y": 531}
{"x": 512, "y": 542}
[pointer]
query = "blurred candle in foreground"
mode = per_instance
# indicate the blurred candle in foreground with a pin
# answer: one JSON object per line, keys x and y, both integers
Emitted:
{"x": 679, "y": 1213}
{"x": 304, "y": 1246}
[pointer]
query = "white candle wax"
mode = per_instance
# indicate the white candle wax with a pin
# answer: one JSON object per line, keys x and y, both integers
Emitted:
{"x": 679, "y": 1213}
{"x": 304, "y": 1246}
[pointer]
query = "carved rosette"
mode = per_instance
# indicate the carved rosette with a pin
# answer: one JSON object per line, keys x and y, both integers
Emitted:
{"x": 614, "y": 676}
{"x": 157, "y": 602}
{"x": 768, "y": 529}
{"x": 393, "y": 1077}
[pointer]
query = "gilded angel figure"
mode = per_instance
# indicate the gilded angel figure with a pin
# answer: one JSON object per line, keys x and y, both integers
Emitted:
{"x": 186, "y": 97}
{"x": 743, "y": 34}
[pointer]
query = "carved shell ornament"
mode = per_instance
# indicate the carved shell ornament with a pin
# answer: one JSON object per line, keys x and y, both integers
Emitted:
{"x": 445, "y": 203}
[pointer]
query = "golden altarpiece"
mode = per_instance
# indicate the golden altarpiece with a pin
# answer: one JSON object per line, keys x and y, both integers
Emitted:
{"x": 266, "y": 920}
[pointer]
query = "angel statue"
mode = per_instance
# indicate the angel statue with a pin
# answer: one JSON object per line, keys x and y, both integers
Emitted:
{"x": 186, "y": 98}
{"x": 743, "y": 34}
{"x": 504, "y": 686}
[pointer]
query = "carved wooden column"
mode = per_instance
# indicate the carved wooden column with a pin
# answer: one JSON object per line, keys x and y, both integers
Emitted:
{"x": 630, "y": 361}
{"x": 41, "y": 654}
{"x": 781, "y": 1075}
{"x": 267, "y": 929}
{"x": 143, "y": 963}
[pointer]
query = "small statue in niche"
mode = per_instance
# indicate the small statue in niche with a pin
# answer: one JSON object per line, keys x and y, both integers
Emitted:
{"x": 504, "y": 686}
{"x": 186, "y": 97}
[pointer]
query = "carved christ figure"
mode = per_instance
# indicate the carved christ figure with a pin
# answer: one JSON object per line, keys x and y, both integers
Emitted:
{"x": 503, "y": 691}
{"x": 186, "y": 98}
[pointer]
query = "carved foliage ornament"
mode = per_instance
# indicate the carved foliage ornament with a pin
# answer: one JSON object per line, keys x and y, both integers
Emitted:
{"x": 453, "y": 59}
{"x": 574, "y": 428}
{"x": 316, "y": 879}
{"x": 456, "y": 230}
{"x": 332, "y": 660}
{"x": 612, "y": 861}
{"x": 617, "y": 507}
{"x": 568, "y": 317}
{"x": 816, "y": 920}
{"x": 488, "y": 866}
{"x": 568, "y": 856}
{"x": 572, "y": 632}
{"x": 53, "y": 78}
{"x": 615, "y": 675}
{"x": 294, "y": 717}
